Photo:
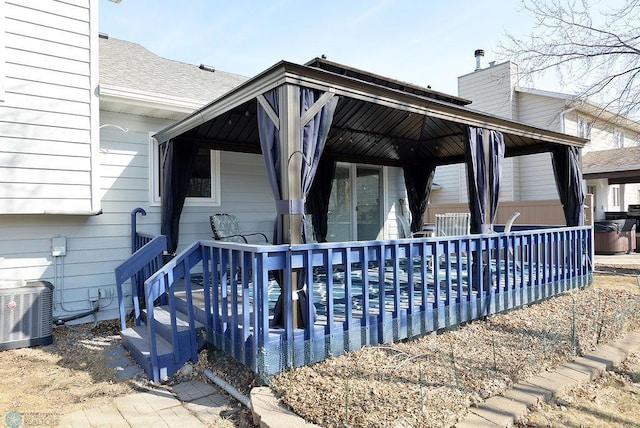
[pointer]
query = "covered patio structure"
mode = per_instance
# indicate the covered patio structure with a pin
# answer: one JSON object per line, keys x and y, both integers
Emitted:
{"x": 305, "y": 118}
{"x": 323, "y": 111}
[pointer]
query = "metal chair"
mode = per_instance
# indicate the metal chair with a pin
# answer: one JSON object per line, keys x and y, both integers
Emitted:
{"x": 510, "y": 220}
{"x": 225, "y": 228}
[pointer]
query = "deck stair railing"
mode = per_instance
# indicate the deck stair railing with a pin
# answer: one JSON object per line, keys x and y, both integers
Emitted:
{"x": 365, "y": 292}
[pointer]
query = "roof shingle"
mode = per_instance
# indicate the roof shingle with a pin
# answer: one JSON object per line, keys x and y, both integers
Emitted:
{"x": 128, "y": 65}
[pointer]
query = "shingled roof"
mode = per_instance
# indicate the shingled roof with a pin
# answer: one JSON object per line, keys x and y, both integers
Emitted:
{"x": 617, "y": 165}
{"x": 129, "y": 67}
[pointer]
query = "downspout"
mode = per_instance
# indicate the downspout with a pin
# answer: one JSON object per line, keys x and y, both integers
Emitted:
{"x": 228, "y": 388}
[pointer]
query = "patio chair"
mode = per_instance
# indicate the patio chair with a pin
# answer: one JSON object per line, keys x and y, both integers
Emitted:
{"x": 225, "y": 228}
{"x": 510, "y": 220}
{"x": 453, "y": 224}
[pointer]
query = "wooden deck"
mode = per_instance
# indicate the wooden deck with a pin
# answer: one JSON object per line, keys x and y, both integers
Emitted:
{"x": 476, "y": 275}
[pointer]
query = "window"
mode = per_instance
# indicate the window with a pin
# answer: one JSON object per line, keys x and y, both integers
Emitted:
{"x": 618, "y": 139}
{"x": 584, "y": 128}
{"x": 615, "y": 196}
{"x": 204, "y": 189}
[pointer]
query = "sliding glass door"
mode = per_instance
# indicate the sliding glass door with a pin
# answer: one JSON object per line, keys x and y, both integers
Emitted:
{"x": 355, "y": 211}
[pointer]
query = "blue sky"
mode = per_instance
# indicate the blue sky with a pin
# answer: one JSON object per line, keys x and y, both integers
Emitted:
{"x": 425, "y": 42}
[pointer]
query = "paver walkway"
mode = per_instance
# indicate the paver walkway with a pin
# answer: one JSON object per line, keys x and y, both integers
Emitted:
{"x": 189, "y": 404}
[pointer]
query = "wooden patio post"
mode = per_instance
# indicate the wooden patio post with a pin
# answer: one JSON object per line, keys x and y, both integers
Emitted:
{"x": 290, "y": 171}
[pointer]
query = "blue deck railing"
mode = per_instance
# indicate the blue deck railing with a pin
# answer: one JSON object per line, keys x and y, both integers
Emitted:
{"x": 144, "y": 262}
{"x": 363, "y": 292}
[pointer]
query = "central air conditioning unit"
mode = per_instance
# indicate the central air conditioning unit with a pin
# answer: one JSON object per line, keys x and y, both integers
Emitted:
{"x": 26, "y": 310}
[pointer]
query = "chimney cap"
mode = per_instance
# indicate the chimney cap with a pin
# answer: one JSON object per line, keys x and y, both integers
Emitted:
{"x": 478, "y": 52}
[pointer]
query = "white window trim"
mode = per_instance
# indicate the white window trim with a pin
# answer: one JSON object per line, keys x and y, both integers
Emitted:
{"x": 154, "y": 179}
{"x": 615, "y": 196}
{"x": 584, "y": 127}
{"x": 618, "y": 139}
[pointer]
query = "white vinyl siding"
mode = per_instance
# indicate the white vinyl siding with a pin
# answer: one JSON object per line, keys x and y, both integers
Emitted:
{"x": 97, "y": 244}
{"x": 537, "y": 181}
{"x": 48, "y": 139}
{"x": 453, "y": 180}
{"x": 3, "y": 25}
{"x": 490, "y": 89}
{"x": 540, "y": 111}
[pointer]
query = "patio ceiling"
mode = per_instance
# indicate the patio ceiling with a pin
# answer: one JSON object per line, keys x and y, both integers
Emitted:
{"x": 377, "y": 121}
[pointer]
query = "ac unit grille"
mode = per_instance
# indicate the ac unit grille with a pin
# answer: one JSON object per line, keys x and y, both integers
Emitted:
{"x": 26, "y": 314}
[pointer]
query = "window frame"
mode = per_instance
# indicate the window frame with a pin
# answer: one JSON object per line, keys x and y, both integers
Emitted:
{"x": 584, "y": 127}
{"x": 154, "y": 178}
{"x": 615, "y": 196}
{"x": 618, "y": 139}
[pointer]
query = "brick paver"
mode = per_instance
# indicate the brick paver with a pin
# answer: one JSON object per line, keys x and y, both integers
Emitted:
{"x": 505, "y": 410}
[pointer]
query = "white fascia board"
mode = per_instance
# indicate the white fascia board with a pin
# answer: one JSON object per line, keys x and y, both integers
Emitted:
{"x": 550, "y": 94}
{"x": 149, "y": 99}
{"x": 587, "y": 107}
{"x": 612, "y": 168}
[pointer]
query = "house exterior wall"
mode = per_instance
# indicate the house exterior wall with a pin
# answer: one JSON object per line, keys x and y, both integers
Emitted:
{"x": 96, "y": 245}
{"x": 494, "y": 90}
{"x": 48, "y": 114}
{"x": 491, "y": 89}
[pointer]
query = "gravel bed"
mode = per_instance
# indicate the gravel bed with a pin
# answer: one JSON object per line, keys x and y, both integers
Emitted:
{"x": 433, "y": 380}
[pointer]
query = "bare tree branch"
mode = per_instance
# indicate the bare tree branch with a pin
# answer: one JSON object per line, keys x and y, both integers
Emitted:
{"x": 593, "y": 49}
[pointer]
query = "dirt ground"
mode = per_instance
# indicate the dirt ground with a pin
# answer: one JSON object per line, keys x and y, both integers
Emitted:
{"x": 43, "y": 383}
{"x": 435, "y": 379}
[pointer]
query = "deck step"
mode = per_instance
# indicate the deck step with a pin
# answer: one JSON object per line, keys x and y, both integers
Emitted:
{"x": 135, "y": 340}
{"x": 162, "y": 317}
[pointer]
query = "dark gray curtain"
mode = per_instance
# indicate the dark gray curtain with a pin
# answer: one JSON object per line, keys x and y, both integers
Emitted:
{"x": 270, "y": 144}
{"x": 314, "y": 135}
{"x": 496, "y": 141}
{"x": 566, "y": 167}
{"x": 312, "y": 141}
{"x": 478, "y": 185}
{"x": 418, "y": 179}
{"x": 178, "y": 167}
{"x": 318, "y": 198}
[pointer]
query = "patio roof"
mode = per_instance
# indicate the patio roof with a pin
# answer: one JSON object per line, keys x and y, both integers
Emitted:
{"x": 378, "y": 120}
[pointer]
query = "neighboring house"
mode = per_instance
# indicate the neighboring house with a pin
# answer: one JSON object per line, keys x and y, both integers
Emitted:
{"x": 494, "y": 90}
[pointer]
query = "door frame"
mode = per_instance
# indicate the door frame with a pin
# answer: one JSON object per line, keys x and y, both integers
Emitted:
{"x": 353, "y": 194}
